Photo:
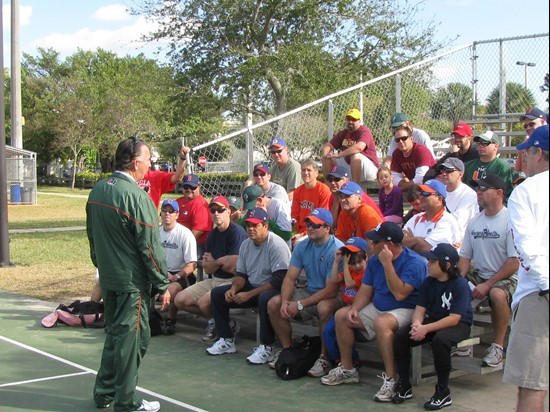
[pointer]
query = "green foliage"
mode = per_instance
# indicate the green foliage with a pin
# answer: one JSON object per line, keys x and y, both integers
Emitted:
{"x": 453, "y": 103}
{"x": 518, "y": 99}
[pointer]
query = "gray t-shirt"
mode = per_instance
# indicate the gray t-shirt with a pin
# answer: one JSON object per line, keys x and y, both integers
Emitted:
{"x": 277, "y": 191}
{"x": 260, "y": 262}
{"x": 289, "y": 177}
{"x": 488, "y": 242}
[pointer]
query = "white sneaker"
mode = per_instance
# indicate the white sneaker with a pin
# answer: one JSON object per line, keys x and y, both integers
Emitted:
{"x": 495, "y": 354}
{"x": 462, "y": 352}
{"x": 319, "y": 368}
{"x": 262, "y": 354}
{"x": 152, "y": 406}
{"x": 386, "y": 391}
{"x": 222, "y": 346}
{"x": 340, "y": 375}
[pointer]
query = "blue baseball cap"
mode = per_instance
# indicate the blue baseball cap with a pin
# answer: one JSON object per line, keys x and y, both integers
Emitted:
{"x": 444, "y": 252}
{"x": 338, "y": 171}
{"x": 256, "y": 215}
{"x": 320, "y": 216}
{"x": 172, "y": 203}
{"x": 351, "y": 188}
{"x": 434, "y": 186}
{"x": 277, "y": 142}
{"x": 539, "y": 138}
{"x": 355, "y": 244}
{"x": 191, "y": 180}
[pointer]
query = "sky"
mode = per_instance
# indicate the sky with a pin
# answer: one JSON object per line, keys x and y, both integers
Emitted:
{"x": 67, "y": 24}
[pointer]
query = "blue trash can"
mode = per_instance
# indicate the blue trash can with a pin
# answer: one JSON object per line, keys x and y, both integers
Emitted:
{"x": 15, "y": 193}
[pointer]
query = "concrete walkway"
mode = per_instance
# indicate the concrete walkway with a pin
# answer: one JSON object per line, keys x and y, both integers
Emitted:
{"x": 49, "y": 229}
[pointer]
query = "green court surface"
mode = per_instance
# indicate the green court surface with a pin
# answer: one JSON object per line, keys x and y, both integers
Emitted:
{"x": 54, "y": 370}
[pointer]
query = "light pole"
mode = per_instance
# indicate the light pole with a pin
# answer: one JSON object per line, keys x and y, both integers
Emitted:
{"x": 525, "y": 65}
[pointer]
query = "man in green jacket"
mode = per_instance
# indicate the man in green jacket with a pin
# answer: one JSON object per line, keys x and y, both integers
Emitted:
{"x": 125, "y": 247}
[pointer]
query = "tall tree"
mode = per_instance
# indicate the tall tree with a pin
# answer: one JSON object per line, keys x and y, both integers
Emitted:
{"x": 518, "y": 99}
{"x": 267, "y": 56}
{"x": 453, "y": 102}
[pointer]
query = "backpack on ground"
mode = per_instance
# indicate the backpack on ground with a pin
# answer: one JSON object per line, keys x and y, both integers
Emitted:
{"x": 156, "y": 323}
{"x": 294, "y": 362}
{"x": 88, "y": 314}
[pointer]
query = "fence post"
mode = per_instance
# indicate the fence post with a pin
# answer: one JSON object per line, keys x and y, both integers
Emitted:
{"x": 397, "y": 93}
{"x": 249, "y": 142}
{"x": 330, "y": 128}
{"x": 474, "y": 80}
{"x": 361, "y": 98}
{"x": 502, "y": 102}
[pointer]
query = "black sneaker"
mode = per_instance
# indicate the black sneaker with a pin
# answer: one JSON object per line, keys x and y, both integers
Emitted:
{"x": 440, "y": 399}
{"x": 403, "y": 391}
{"x": 170, "y": 326}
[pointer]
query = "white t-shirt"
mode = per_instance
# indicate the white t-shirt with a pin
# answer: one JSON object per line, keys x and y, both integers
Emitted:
{"x": 462, "y": 203}
{"x": 419, "y": 136}
{"x": 180, "y": 247}
{"x": 443, "y": 230}
{"x": 528, "y": 214}
{"x": 488, "y": 242}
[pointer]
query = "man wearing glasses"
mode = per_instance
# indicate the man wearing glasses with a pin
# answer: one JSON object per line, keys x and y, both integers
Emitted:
{"x": 338, "y": 177}
{"x": 461, "y": 199}
{"x": 433, "y": 226}
{"x": 314, "y": 256}
{"x": 354, "y": 148}
{"x": 261, "y": 266}
{"x": 488, "y": 162}
{"x": 532, "y": 119}
{"x": 180, "y": 250}
{"x": 194, "y": 213}
{"x": 285, "y": 171}
{"x": 526, "y": 364}
{"x": 219, "y": 260}
{"x": 489, "y": 261}
{"x": 411, "y": 161}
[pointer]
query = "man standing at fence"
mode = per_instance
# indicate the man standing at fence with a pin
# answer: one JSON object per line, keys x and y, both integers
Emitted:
{"x": 527, "y": 355}
{"x": 125, "y": 247}
{"x": 285, "y": 170}
{"x": 354, "y": 147}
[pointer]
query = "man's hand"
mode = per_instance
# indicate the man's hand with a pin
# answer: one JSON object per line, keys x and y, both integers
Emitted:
{"x": 385, "y": 256}
{"x": 353, "y": 316}
{"x": 166, "y": 298}
{"x": 481, "y": 290}
{"x": 241, "y": 297}
{"x": 230, "y": 295}
{"x": 172, "y": 278}
{"x": 418, "y": 332}
{"x": 184, "y": 150}
{"x": 208, "y": 258}
{"x": 289, "y": 309}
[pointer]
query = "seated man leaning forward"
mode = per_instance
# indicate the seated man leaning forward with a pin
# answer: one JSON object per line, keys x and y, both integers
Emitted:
{"x": 385, "y": 302}
{"x": 261, "y": 266}
{"x": 219, "y": 260}
{"x": 314, "y": 256}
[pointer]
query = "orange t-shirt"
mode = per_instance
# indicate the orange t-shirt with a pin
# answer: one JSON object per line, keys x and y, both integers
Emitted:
{"x": 305, "y": 200}
{"x": 348, "y": 294}
{"x": 367, "y": 219}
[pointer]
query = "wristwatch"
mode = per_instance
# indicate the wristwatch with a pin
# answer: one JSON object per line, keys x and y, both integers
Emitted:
{"x": 299, "y": 304}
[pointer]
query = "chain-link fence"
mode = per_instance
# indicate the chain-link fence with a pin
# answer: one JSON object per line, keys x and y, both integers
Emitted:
{"x": 21, "y": 176}
{"x": 489, "y": 83}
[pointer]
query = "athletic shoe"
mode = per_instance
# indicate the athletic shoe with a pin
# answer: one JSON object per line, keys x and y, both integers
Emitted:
{"x": 170, "y": 326}
{"x": 152, "y": 406}
{"x": 402, "y": 391}
{"x": 210, "y": 335}
{"x": 340, "y": 375}
{"x": 235, "y": 327}
{"x": 105, "y": 406}
{"x": 440, "y": 399}
{"x": 494, "y": 356}
{"x": 319, "y": 368}
{"x": 262, "y": 354}
{"x": 222, "y": 346}
{"x": 386, "y": 391}
{"x": 461, "y": 351}
{"x": 274, "y": 361}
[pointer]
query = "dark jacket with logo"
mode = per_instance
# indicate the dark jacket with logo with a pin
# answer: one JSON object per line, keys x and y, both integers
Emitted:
{"x": 121, "y": 223}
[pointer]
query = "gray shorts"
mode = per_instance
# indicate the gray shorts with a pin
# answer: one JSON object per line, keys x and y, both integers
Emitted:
{"x": 527, "y": 353}
{"x": 199, "y": 289}
{"x": 369, "y": 313}
{"x": 310, "y": 312}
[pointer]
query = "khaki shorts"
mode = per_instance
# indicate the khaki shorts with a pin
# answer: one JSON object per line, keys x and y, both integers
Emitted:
{"x": 198, "y": 290}
{"x": 310, "y": 312}
{"x": 369, "y": 313}
{"x": 527, "y": 354}
{"x": 368, "y": 169}
{"x": 507, "y": 285}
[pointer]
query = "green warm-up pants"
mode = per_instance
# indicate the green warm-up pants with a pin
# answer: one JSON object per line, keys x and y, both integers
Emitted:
{"x": 128, "y": 335}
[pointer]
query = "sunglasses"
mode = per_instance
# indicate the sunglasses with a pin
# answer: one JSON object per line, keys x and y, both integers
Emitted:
{"x": 427, "y": 194}
{"x": 313, "y": 225}
{"x": 333, "y": 179}
{"x": 217, "y": 210}
{"x": 484, "y": 144}
{"x": 530, "y": 124}
{"x": 447, "y": 170}
{"x": 276, "y": 151}
{"x": 258, "y": 174}
{"x": 171, "y": 212}
{"x": 187, "y": 187}
{"x": 401, "y": 139}
{"x": 484, "y": 188}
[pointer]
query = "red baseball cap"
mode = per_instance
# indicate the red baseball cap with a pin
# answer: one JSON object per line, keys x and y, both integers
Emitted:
{"x": 462, "y": 129}
{"x": 220, "y": 201}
